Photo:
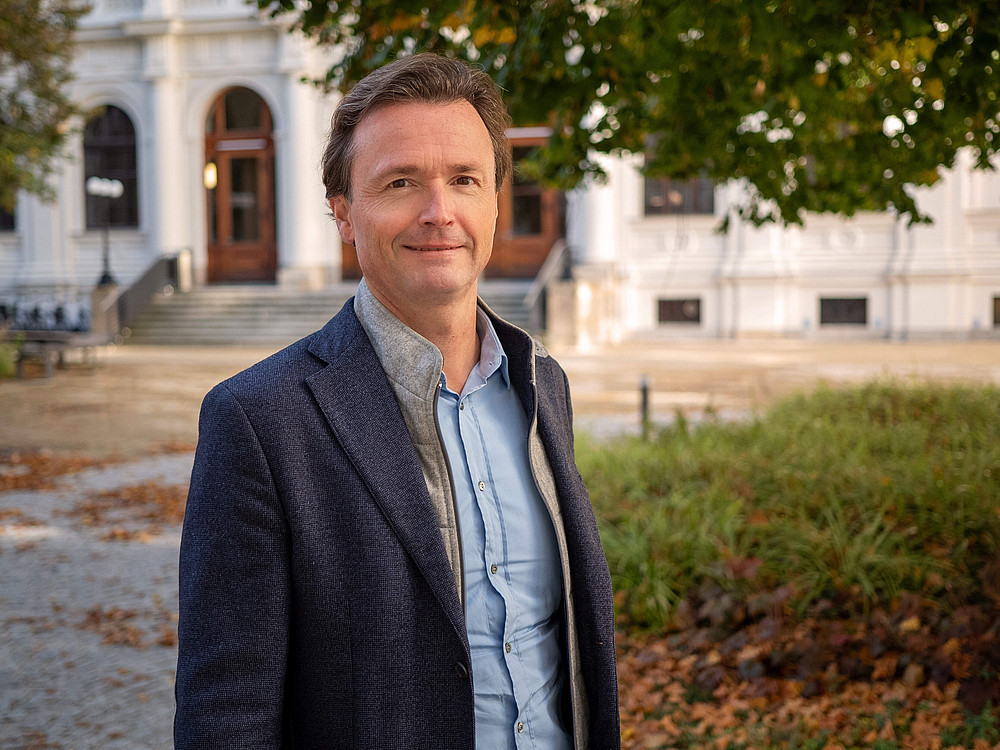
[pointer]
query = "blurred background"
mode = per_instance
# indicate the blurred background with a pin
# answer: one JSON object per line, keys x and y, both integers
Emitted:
{"x": 763, "y": 238}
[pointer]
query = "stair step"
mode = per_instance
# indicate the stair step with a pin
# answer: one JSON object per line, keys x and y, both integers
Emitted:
{"x": 269, "y": 315}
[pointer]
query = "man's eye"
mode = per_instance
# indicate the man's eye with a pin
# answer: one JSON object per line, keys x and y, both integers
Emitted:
{"x": 465, "y": 180}
{"x": 398, "y": 183}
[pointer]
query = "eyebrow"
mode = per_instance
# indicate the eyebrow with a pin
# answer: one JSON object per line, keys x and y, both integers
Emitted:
{"x": 404, "y": 170}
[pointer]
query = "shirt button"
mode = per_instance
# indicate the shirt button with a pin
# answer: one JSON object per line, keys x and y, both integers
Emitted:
{"x": 482, "y": 485}
{"x": 493, "y": 569}
{"x": 461, "y": 407}
{"x": 520, "y": 726}
{"x": 506, "y": 647}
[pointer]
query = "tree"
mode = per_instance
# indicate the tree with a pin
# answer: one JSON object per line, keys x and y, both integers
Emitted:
{"x": 818, "y": 105}
{"x": 36, "y": 38}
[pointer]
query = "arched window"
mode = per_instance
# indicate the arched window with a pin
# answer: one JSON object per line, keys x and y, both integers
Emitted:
{"x": 238, "y": 109}
{"x": 109, "y": 152}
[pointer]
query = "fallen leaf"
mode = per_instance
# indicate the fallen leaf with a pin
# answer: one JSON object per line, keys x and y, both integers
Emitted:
{"x": 909, "y": 625}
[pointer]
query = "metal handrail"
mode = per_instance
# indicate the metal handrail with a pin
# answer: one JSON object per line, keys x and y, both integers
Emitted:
{"x": 162, "y": 275}
{"x": 554, "y": 263}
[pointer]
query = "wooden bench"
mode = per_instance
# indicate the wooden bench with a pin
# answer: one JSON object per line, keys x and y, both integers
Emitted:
{"x": 50, "y": 347}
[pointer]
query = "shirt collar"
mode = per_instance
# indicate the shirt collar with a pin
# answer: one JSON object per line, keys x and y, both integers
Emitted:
{"x": 410, "y": 360}
{"x": 491, "y": 354}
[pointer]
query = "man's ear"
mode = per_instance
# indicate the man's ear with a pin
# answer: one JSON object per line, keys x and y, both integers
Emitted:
{"x": 341, "y": 208}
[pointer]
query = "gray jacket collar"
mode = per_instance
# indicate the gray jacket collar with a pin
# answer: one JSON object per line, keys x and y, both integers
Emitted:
{"x": 410, "y": 361}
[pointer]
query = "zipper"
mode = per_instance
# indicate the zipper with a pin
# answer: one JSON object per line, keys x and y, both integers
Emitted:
{"x": 458, "y": 536}
{"x": 454, "y": 499}
{"x": 570, "y": 685}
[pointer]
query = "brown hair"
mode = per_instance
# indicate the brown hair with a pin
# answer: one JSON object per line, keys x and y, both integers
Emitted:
{"x": 425, "y": 77}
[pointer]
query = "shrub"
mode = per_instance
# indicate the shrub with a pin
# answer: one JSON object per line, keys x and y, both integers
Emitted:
{"x": 849, "y": 496}
{"x": 8, "y": 360}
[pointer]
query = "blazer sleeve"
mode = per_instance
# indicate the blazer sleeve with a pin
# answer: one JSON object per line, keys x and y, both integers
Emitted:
{"x": 234, "y": 589}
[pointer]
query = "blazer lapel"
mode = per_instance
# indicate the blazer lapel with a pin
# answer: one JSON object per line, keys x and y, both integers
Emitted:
{"x": 357, "y": 401}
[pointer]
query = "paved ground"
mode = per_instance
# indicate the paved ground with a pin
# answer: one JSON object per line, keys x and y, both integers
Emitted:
{"x": 87, "y": 616}
{"x": 87, "y": 595}
{"x": 141, "y": 398}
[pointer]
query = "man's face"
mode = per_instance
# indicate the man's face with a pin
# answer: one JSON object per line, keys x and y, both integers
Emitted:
{"x": 424, "y": 204}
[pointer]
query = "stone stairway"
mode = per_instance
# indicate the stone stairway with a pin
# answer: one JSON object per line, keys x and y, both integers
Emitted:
{"x": 506, "y": 299}
{"x": 250, "y": 315}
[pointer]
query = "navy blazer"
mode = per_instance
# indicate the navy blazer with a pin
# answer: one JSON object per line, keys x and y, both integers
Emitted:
{"x": 317, "y": 605}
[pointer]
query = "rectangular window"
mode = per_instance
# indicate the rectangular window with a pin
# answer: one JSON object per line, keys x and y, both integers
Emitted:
{"x": 7, "y": 223}
{"x": 526, "y": 197}
{"x": 244, "y": 199}
{"x": 666, "y": 196}
{"x": 996, "y": 312}
{"x": 679, "y": 311}
{"x": 843, "y": 311}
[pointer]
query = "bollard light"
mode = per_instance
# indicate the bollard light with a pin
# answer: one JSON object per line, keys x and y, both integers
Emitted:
{"x": 644, "y": 406}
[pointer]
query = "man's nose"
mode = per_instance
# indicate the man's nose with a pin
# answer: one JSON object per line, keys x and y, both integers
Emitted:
{"x": 438, "y": 210}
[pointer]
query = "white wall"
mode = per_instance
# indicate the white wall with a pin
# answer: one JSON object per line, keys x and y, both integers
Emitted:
{"x": 934, "y": 280}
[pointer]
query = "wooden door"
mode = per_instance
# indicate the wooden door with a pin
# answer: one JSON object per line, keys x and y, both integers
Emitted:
{"x": 530, "y": 220}
{"x": 239, "y": 180}
{"x": 349, "y": 266}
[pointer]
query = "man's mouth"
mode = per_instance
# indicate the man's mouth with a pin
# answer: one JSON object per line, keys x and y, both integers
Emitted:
{"x": 431, "y": 248}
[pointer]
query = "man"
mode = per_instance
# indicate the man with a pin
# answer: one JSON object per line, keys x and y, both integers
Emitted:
{"x": 387, "y": 543}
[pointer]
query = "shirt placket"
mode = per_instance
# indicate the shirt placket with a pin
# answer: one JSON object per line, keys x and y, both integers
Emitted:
{"x": 496, "y": 555}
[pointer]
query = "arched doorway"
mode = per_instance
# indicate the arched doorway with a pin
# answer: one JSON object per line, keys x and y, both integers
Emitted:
{"x": 239, "y": 183}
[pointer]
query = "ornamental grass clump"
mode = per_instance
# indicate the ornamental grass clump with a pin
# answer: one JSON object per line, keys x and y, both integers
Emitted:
{"x": 839, "y": 500}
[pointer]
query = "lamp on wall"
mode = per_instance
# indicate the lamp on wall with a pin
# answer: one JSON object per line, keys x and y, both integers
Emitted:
{"x": 211, "y": 175}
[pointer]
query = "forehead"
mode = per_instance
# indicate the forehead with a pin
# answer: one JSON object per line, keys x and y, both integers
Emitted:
{"x": 420, "y": 133}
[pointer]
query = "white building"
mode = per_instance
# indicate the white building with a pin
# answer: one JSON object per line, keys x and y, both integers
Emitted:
{"x": 650, "y": 260}
{"x": 200, "y": 110}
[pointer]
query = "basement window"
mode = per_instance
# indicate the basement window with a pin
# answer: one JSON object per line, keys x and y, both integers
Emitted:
{"x": 679, "y": 310}
{"x": 852, "y": 311}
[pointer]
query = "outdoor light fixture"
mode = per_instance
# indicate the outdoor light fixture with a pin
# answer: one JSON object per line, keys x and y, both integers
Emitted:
{"x": 211, "y": 175}
{"x": 102, "y": 187}
{"x": 105, "y": 188}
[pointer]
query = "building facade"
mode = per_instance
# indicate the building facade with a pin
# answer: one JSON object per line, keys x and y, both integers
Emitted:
{"x": 649, "y": 261}
{"x": 199, "y": 109}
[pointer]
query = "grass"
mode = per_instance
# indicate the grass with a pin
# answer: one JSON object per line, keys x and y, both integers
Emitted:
{"x": 845, "y": 497}
{"x": 8, "y": 359}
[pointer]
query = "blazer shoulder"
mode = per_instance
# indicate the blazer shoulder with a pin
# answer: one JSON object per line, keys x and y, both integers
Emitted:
{"x": 289, "y": 367}
{"x": 282, "y": 368}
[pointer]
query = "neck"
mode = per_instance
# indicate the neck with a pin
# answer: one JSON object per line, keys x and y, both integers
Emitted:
{"x": 451, "y": 327}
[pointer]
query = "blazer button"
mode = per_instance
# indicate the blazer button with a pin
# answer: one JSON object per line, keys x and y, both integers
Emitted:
{"x": 460, "y": 670}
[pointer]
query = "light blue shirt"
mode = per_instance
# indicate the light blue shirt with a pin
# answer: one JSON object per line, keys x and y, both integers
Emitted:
{"x": 513, "y": 579}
